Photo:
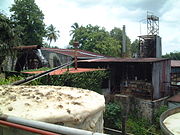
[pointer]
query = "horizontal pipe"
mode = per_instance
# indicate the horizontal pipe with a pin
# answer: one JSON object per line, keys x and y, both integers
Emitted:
{"x": 30, "y": 129}
{"x": 47, "y": 126}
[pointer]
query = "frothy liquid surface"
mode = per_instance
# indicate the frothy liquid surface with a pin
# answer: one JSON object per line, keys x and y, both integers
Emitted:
{"x": 172, "y": 123}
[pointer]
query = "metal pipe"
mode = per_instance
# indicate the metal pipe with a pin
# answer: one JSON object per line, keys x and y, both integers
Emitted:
{"x": 76, "y": 44}
{"x": 31, "y": 78}
{"x": 124, "y": 40}
{"x": 30, "y": 129}
{"x": 47, "y": 126}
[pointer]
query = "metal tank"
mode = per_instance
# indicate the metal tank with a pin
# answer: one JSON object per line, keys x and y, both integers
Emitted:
{"x": 170, "y": 122}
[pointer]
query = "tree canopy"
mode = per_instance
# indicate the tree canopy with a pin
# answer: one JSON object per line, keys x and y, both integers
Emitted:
{"x": 172, "y": 56}
{"x": 135, "y": 48}
{"x": 28, "y": 15}
{"x": 98, "y": 40}
{"x": 117, "y": 34}
{"x": 9, "y": 36}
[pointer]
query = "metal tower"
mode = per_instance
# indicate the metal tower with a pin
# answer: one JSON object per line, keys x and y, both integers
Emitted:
{"x": 152, "y": 24}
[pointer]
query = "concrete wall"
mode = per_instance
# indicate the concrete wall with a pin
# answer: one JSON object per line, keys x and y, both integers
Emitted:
{"x": 9, "y": 64}
{"x": 54, "y": 59}
{"x": 144, "y": 108}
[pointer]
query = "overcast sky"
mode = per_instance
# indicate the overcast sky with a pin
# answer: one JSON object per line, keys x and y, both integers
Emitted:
{"x": 109, "y": 14}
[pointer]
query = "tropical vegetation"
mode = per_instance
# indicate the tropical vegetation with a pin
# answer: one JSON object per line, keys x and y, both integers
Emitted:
{"x": 27, "y": 14}
{"x": 172, "y": 55}
{"x": 99, "y": 40}
{"x": 9, "y": 36}
{"x": 52, "y": 33}
{"x": 134, "y": 124}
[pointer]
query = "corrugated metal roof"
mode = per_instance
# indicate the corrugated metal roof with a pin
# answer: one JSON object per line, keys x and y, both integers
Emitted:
{"x": 125, "y": 60}
{"x": 80, "y": 53}
{"x": 175, "y": 63}
{"x": 175, "y": 98}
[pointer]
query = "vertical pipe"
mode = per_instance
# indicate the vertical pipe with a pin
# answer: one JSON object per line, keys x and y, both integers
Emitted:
{"x": 75, "y": 58}
{"x": 76, "y": 44}
{"x": 124, "y": 40}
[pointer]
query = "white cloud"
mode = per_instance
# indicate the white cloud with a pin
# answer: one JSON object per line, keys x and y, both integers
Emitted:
{"x": 65, "y": 13}
{"x": 109, "y": 14}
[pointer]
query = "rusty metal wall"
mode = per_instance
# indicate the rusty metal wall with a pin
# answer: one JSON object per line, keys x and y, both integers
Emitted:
{"x": 161, "y": 79}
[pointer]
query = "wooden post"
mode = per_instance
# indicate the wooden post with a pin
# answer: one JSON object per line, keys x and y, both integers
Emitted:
{"x": 124, "y": 125}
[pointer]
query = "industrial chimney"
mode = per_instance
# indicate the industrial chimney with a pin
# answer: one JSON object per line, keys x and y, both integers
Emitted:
{"x": 124, "y": 41}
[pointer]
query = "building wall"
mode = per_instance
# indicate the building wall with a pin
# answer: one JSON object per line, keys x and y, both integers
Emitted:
{"x": 161, "y": 79}
{"x": 144, "y": 108}
{"x": 139, "y": 88}
{"x": 8, "y": 64}
{"x": 55, "y": 59}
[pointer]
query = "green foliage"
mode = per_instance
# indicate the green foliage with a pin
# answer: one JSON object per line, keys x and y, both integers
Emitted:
{"x": 95, "y": 39}
{"x": 86, "y": 80}
{"x": 117, "y": 34}
{"x": 52, "y": 33}
{"x": 9, "y": 80}
{"x": 140, "y": 126}
{"x": 27, "y": 14}
{"x": 135, "y": 47}
{"x": 134, "y": 125}
{"x": 9, "y": 37}
{"x": 158, "y": 113}
{"x": 112, "y": 116}
{"x": 172, "y": 56}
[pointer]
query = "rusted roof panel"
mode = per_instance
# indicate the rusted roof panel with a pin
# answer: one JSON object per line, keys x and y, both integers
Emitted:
{"x": 125, "y": 60}
{"x": 175, "y": 98}
{"x": 30, "y": 47}
{"x": 175, "y": 63}
{"x": 62, "y": 71}
{"x": 80, "y": 53}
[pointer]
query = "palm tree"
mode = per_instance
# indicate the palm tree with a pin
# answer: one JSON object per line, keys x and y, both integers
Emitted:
{"x": 52, "y": 33}
{"x": 74, "y": 27}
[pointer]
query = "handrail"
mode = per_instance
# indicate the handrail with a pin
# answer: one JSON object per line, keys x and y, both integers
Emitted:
{"x": 47, "y": 126}
{"x": 26, "y": 128}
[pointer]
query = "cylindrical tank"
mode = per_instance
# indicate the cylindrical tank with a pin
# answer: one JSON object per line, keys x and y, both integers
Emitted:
{"x": 73, "y": 107}
{"x": 170, "y": 122}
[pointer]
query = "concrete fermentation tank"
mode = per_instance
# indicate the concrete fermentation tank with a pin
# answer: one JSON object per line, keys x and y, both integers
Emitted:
{"x": 170, "y": 122}
{"x": 72, "y": 107}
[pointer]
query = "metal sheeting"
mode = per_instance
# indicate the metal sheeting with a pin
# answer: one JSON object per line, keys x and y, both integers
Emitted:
{"x": 161, "y": 79}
